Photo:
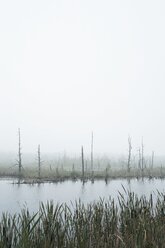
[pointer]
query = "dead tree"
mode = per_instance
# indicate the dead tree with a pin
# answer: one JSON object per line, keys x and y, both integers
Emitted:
{"x": 92, "y": 156}
{"x": 86, "y": 166}
{"x": 129, "y": 155}
{"x": 106, "y": 174}
{"x": 139, "y": 159}
{"x": 73, "y": 170}
{"x": 82, "y": 161}
{"x": 39, "y": 162}
{"x": 142, "y": 158}
{"x": 152, "y": 160}
{"x": 73, "y": 174}
{"x": 19, "y": 155}
{"x": 161, "y": 171}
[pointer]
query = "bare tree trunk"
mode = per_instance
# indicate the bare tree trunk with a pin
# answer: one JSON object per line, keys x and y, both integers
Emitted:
{"x": 82, "y": 160}
{"x": 106, "y": 175}
{"x": 92, "y": 156}
{"x": 129, "y": 155}
{"x": 39, "y": 162}
{"x": 19, "y": 155}
{"x": 142, "y": 159}
{"x": 152, "y": 160}
{"x": 161, "y": 171}
{"x": 86, "y": 166}
{"x": 73, "y": 170}
{"x": 139, "y": 159}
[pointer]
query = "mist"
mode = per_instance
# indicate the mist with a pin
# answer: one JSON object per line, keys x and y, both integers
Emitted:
{"x": 70, "y": 68}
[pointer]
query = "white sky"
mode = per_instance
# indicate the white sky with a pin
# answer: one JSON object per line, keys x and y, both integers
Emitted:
{"x": 68, "y": 67}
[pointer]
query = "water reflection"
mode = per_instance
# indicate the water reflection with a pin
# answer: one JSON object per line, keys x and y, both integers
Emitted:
{"x": 14, "y": 196}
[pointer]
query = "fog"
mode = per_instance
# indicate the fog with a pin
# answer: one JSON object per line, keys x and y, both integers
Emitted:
{"x": 70, "y": 67}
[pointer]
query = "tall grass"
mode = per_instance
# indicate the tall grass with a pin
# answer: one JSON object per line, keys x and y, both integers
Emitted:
{"x": 131, "y": 223}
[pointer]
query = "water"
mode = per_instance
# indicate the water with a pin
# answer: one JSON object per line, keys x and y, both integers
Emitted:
{"x": 14, "y": 197}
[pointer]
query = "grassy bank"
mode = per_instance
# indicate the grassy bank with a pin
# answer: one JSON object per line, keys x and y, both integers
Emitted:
{"x": 30, "y": 174}
{"x": 59, "y": 168}
{"x": 131, "y": 223}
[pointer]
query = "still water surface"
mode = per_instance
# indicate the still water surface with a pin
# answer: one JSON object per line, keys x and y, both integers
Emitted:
{"x": 13, "y": 197}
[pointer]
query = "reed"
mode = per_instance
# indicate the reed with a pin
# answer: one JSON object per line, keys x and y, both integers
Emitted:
{"x": 131, "y": 222}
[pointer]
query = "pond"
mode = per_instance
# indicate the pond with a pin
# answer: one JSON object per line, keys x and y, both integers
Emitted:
{"x": 14, "y": 197}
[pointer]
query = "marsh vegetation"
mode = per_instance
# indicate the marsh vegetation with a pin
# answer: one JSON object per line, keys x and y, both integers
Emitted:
{"x": 62, "y": 167}
{"x": 85, "y": 166}
{"x": 132, "y": 222}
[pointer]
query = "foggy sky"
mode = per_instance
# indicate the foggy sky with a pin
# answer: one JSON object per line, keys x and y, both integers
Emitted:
{"x": 70, "y": 67}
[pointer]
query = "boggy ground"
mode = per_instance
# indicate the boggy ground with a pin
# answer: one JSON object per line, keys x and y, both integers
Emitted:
{"x": 30, "y": 175}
